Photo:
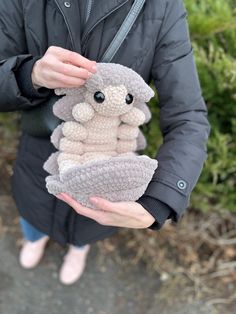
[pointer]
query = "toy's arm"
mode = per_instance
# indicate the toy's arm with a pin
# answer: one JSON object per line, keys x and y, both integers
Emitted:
{"x": 127, "y": 132}
{"x": 134, "y": 117}
{"x": 83, "y": 112}
{"x": 74, "y": 131}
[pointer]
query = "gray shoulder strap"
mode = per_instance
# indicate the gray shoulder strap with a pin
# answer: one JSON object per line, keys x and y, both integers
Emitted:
{"x": 123, "y": 31}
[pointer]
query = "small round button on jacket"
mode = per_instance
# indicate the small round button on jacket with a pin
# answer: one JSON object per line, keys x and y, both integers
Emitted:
{"x": 67, "y": 4}
{"x": 181, "y": 184}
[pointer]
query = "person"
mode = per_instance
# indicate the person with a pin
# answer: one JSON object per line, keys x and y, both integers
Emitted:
{"x": 52, "y": 44}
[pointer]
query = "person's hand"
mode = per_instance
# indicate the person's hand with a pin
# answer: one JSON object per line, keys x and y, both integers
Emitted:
{"x": 118, "y": 214}
{"x": 61, "y": 68}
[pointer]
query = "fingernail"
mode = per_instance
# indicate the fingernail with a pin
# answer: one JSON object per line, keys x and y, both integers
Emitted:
{"x": 94, "y": 199}
{"x": 59, "y": 196}
{"x": 89, "y": 74}
{"x": 94, "y": 68}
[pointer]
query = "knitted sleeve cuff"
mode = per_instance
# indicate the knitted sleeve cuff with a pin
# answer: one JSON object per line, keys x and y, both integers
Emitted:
{"x": 24, "y": 81}
{"x": 159, "y": 210}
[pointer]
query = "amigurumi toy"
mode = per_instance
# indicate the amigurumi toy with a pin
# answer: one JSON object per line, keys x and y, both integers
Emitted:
{"x": 98, "y": 142}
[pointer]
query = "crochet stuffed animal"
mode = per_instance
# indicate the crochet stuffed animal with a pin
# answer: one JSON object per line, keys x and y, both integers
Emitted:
{"x": 98, "y": 141}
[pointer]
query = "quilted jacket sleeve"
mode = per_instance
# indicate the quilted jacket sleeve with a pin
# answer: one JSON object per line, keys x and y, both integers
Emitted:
{"x": 13, "y": 53}
{"x": 183, "y": 113}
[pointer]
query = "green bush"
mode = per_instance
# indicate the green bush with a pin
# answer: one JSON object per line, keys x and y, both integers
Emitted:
{"x": 213, "y": 33}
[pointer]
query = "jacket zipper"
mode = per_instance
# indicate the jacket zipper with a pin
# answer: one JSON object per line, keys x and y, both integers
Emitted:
{"x": 67, "y": 24}
{"x": 89, "y": 9}
{"x": 89, "y": 30}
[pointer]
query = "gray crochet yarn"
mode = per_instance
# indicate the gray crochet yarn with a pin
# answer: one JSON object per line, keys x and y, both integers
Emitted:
{"x": 117, "y": 179}
{"x": 98, "y": 142}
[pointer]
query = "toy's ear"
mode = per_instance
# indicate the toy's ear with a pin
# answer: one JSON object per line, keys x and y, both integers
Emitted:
{"x": 143, "y": 91}
{"x": 148, "y": 93}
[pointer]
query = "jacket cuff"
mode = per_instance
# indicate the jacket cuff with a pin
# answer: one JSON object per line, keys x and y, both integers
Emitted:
{"x": 24, "y": 80}
{"x": 159, "y": 210}
{"x": 177, "y": 200}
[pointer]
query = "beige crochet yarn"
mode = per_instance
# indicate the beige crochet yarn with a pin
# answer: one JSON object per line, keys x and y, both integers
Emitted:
{"x": 99, "y": 140}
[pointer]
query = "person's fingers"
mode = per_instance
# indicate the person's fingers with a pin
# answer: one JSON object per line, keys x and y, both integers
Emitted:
{"x": 127, "y": 209}
{"x": 104, "y": 217}
{"x": 115, "y": 207}
{"x": 75, "y": 59}
{"x": 60, "y": 67}
{"x": 71, "y": 70}
{"x": 66, "y": 81}
{"x": 78, "y": 60}
{"x": 80, "y": 209}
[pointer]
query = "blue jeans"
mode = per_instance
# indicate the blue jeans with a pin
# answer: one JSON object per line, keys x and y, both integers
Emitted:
{"x": 32, "y": 234}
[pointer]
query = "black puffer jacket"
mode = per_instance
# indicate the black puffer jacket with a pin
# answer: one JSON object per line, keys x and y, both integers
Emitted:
{"x": 157, "y": 47}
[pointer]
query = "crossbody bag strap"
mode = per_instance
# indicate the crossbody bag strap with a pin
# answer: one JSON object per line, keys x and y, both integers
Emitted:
{"x": 123, "y": 31}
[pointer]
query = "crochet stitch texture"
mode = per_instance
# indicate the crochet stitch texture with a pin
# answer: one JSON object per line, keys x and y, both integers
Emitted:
{"x": 98, "y": 141}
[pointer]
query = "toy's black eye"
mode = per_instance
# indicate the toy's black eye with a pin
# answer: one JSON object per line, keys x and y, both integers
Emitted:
{"x": 99, "y": 97}
{"x": 129, "y": 99}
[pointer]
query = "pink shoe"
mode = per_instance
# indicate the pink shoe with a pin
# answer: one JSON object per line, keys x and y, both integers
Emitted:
{"x": 32, "y": 252}
{"x": 74, "y": 264}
